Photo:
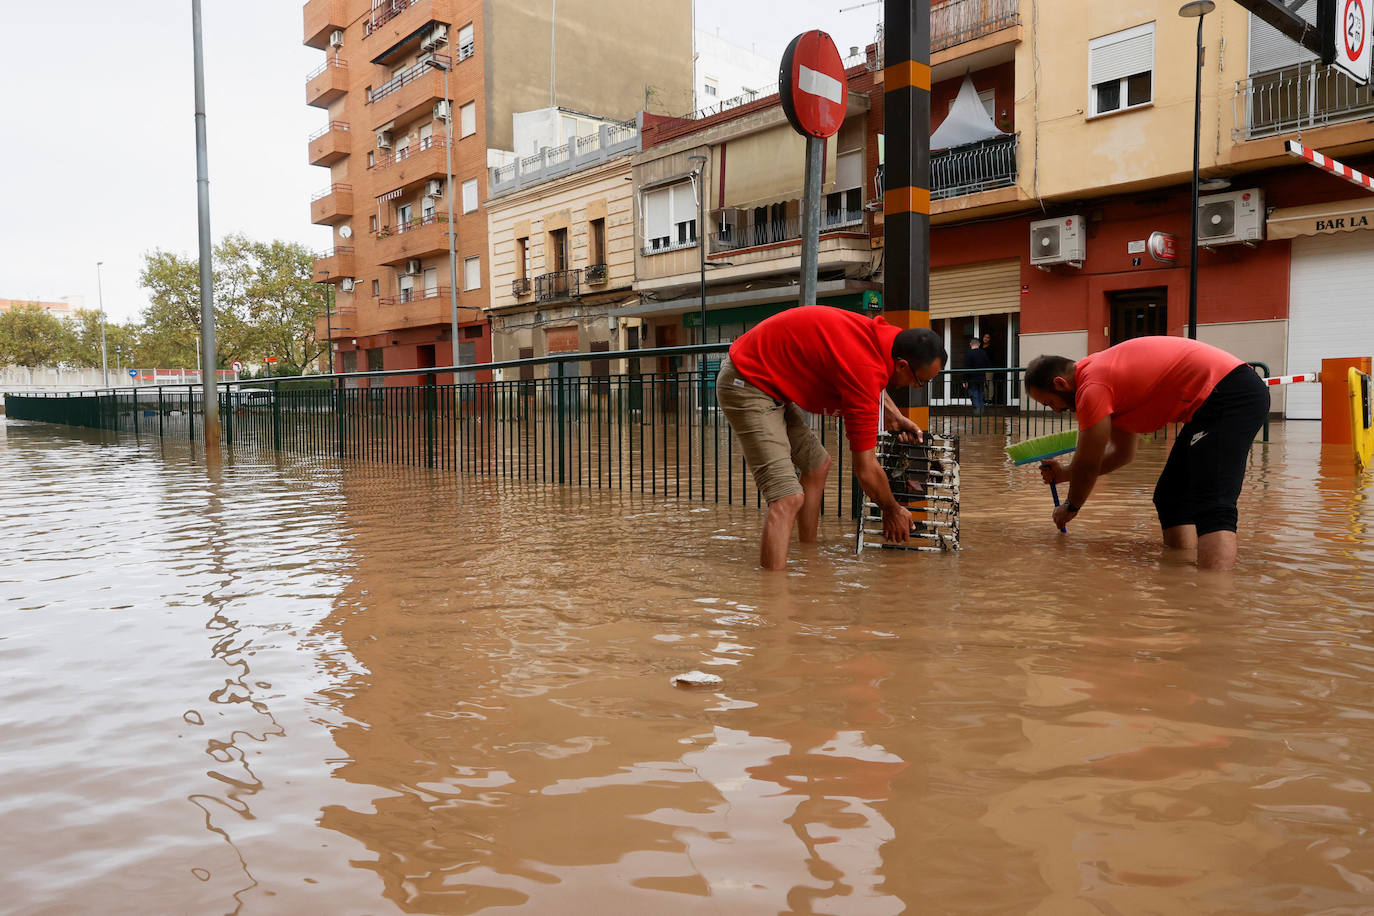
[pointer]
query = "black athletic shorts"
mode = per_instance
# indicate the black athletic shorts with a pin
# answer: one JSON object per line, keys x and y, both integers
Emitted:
{"x": 1202, "y": 478}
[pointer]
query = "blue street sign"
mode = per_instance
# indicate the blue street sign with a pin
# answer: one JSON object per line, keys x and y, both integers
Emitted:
{"x": 133, "y": 373}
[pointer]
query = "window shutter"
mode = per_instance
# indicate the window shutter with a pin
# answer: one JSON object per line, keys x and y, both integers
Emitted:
{"x": 472, "y": 273}
{"x": 989, "y": 288}
{"x": 656, "y": 222}
{"x": 684, "y": 202}
{"x": 1271, "y": 50}
{"x": 465, "y": 36}
{"x": 849, "y": 169}
{"x": 1115, "y": 57}
{"x": 468, "y": 113}
{"x": 469, "y": 196}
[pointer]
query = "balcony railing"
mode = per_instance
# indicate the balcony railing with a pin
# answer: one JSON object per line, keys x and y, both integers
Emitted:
{"x": 1297, "y": 98}
{"x": 959, "y": 21}
{"x": 520, "y": 287}
{"x": 332, "y": 189}
{"x": 331, "y": 126}
{"x": 415, "y": 295}
{"x": 594, "y": 274}
{"x": 559, "y": 284}
{"x": 610, "y": 140}
{"x": 385, "y": 13}
{"x": 410, "y": 225}
{"x": 337, "y": 63}
{"x": 404, "y": 153}
{"x": 973, "y": 167}
{"x": 407, "y": 76}
{"x": 777, "y": 231}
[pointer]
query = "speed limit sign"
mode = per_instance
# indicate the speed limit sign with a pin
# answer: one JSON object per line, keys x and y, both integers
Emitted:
{"x": 1353, "y": 32}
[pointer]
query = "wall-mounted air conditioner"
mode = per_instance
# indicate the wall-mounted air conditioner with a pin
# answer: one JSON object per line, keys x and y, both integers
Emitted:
{"x": 413, "y": 266}
{"x": 346, "y": 284}
{"x": 383, "y": 139}
{"x": 1231, "y": 218}
{"x": 434, "y": 187}
{"x": 1058, "y": 241}
{"x": 336, "y": 38}
{"x": 441, "y": 111}
{"x": 434, "y": 37}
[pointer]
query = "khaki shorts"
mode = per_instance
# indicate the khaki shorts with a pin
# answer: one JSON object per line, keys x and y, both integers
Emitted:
{"x": 773, "y": 436}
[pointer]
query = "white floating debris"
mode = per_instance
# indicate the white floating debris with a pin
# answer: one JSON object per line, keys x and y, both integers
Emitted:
{"x": 696, "y": 679}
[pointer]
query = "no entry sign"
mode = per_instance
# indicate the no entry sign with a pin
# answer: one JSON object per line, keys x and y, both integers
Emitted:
{"x": 1353, "y": 31}
{"x": 812, "y": 85}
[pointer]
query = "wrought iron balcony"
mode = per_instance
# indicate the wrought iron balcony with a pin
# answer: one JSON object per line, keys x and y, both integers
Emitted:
{"x": 1297, "y": 98}
{"x": 415, "y": 295}
{"x": 594, "y": 274}
{"x": 419, "y": 71}
{"x": 520, "y": 287}
{"x": 973, "y": 167}
{"x": 779, "y": 231}
{"x": 559, "y": 284}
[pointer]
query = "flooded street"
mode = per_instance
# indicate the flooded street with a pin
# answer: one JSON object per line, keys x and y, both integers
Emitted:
{"x": 287, "y": 687}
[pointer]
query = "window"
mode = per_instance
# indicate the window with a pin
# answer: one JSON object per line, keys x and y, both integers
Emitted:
{"x": 376, "y": 288}
{"x": 522, "y": 254}
{"x": 371, "y": 159}
{"x": 989, "y": 99}
{"x": 596, "y": 241}
{"x": 711, "y": 88}
{"x": 1121, "y": 70}
{"x": 426, "y": 136}
{"x": 427, "y": 209}
{"x": 467, "y": 120}
{"x": 372, "y": 222}
{"x": 556, "y": 258}
{"x": 670, "y": 217}
{"x": 431, "y": 277}
{"x": 375, "y": 363}
{"x": 403, "y": 217}
{"x": 350, "y": 361}
{"x": 466, "y": 42}
{"x": 406, "y": 284}
{"x": 470, "y": 195}
{"x": 472, "y": 273}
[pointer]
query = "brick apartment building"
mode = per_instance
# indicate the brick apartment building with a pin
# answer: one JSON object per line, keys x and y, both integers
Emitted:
{"x": 381, "y": 87}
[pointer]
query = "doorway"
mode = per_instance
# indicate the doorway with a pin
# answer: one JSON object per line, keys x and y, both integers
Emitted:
{"x": 1139, "y": 313}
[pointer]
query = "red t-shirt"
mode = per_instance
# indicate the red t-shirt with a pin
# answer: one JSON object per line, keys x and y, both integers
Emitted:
{"x": 1148, "y": 382}
{"x": 824, "y": 360}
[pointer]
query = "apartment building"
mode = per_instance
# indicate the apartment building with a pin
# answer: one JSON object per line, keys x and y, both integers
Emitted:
{"x": 562, "y": 236}
{"x": 398, "y": 79}
{"x": 1062, "y": 223}
{"x": 64, "y": 308}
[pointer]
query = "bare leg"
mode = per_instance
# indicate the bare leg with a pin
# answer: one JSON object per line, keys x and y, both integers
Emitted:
{"x": 1180, "y": 537}
{"x": 813, "y": 488}
{"x": 1216, "y": 550}
{"x": 777, "y": 530}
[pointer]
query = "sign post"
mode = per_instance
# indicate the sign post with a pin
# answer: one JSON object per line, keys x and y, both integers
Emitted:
{"x": 1353, "y": 32}
{"x": 814, "y": 94}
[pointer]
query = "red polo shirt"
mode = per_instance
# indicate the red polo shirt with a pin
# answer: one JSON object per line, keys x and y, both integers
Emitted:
{"x": 824, "y": 360}
{"x": 1148, "y": 382}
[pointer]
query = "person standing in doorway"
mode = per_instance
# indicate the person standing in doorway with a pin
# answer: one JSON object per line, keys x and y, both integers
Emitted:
{"x": 976, "y": 382}
{"x": 819, "y": 359}
{"x": 1137, "y": 387}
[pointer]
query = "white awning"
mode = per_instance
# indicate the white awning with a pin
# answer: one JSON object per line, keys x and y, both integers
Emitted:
{"x": 1322, "y": 219}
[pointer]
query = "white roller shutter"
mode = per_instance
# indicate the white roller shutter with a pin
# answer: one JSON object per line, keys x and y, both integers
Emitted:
{"x": 1115, "y": 57}
{"x": 1328, "y": 312}
{"x": 656, "y": 222}
{"x": 988, "y": 288}
{"x": 1271, "y": 50}
{"x": 849, "y": 170}
{"x": 684, "y": 202}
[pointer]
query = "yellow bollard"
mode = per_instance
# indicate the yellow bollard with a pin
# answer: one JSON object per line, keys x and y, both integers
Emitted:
{"x": 1336, "y": 424}
{"x": 1361, "y": 393}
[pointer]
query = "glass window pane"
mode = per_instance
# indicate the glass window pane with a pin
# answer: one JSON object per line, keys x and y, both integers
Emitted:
{"x": 1108, "y": 96}
{"x": 1138, "y": 89}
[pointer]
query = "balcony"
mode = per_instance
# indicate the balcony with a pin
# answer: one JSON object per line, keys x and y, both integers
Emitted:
{"x": 782, "y": 232}
{"x": 407, "y": 167}
{"x": 394, "y": 21}
{"x": 337, "y": 262}
{"x": 421, "y": 307}
{"x": 321, "y": 18}
{"x": 959, "y": 21}
{"x": 329, "y": 144}
{"x": 558, "y": 284}
{"x": 973, "y": 168}
{"x": 417, "y": 238}
{"x": 520, "y": 287}
{"x": 327, "y": 83}
{"x": 332, "y": 205}
{"x": 415, "y": 295}
{"x": 407, "y": 93}
{"x": 341, "y": 322}
{"x": 595, "y": 275}
{"x": 1297, "y": 98}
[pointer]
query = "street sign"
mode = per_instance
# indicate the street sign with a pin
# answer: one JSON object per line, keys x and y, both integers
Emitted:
{"x": 1353, "y": 33}
{"x": 1164, "y": 247}
{"x": 270, "y": 359}
{"x": 133, "y": 373}
{"x": 812, "y": 85}
{"x": 236, "y": 366}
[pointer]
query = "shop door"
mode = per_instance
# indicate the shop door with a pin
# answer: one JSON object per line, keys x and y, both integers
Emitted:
{"x": 1328, "y": 311}
{"x": 1139, "y": 313}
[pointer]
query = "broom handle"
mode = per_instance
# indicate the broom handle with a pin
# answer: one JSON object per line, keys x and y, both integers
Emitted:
{"x": 1054, "y": 491}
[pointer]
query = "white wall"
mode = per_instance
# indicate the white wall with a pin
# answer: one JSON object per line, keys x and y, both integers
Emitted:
{"x": 734, "y": 69}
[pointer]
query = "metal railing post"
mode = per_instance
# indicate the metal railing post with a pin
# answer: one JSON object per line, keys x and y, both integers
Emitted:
{"x": 276, "y": 415}
{"x": 560, "y": 413}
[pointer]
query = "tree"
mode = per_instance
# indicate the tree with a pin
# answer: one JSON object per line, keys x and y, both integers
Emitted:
{"x": 32, "y": 336}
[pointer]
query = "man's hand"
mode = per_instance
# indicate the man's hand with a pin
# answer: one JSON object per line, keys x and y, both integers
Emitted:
{"x": 897, "y": 524}
{"x": 906, "y": 429}
{"x": 1062, "y": 517}
{"x": 1053, "y": 472}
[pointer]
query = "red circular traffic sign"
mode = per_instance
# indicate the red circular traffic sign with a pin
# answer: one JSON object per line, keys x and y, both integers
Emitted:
{"x": 812, "y": 85}
{"x": 1356, "y": 28}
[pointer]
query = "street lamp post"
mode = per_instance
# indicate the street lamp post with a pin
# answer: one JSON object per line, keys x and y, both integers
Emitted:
{"x": 444, "y": 66}
{"x": 100, "y": 294}
{"x": 1195, "y": 9}
{"x": 699, "y": 175}
{"x": 328, "y": 321}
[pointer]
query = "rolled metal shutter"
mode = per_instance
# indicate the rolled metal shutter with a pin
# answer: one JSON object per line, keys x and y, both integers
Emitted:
{"x": 986, "y": 288}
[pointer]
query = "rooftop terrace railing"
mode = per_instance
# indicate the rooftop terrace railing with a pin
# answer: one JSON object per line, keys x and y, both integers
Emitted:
{"x": 653, "y": 427}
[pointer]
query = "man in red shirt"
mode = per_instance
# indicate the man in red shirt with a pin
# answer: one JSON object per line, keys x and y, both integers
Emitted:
{"x": 819, "y": 359}
{"x": 1138, "y": 387}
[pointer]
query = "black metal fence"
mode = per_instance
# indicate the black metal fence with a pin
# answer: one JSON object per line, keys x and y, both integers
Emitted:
{"x": 653, "y": 432}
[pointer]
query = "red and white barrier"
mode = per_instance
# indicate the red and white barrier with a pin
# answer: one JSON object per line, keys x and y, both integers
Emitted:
{"x": 1290, "y": 379}
{"x": 1327, "y": 164}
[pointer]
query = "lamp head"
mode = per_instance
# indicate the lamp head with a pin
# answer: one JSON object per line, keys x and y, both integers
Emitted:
{"x": 440, "y": 64}
{"x": 1196, "y": 8}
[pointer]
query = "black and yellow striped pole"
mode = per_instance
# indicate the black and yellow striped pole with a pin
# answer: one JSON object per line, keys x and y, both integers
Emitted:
{"x": 906, "y": 177}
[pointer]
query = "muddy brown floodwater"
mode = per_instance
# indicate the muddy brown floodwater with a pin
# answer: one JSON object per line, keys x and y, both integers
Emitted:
{"x": 294, "y": 688}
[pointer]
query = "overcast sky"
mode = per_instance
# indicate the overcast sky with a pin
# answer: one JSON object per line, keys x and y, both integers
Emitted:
{"x": 98, "y": 162}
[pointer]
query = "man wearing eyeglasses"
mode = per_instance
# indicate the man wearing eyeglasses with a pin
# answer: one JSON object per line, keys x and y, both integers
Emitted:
{"x": 818, "y": 359}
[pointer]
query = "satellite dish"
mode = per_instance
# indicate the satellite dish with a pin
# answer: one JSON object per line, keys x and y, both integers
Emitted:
{"x": 345, "y": 232}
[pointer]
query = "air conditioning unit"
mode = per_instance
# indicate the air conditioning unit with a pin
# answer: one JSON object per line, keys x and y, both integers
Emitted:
{"x": 336, "y": 38}
{"x": 383, "y": 139}
{"x": 1231, "y": 218}
{"x": 346, "y": 284}
{"x": 434, "y": 187}
{"x": 441, "y": 111}
{"x": 1058, "y": 241}
{"x": 434, "y": 37}
{"x": 413, "y": 266}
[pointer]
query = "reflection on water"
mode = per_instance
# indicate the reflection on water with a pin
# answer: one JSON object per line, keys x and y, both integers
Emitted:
{"x": 293, "y": 688}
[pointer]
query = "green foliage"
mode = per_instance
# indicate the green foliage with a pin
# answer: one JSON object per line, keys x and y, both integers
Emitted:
{"x": 31, "y": 336}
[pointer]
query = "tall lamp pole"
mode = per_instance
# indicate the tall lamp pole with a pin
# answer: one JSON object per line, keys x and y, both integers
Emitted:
{"x": 209, "y": 391}
{"x": 328, "y": 321}
{"x": 1195, "y": 9}
{"x": 444, "y": 66}
{"x": 100, "y": 294}
{"x": 699, "y": 175}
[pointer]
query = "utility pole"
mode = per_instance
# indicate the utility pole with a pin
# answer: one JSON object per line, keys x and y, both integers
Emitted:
{"x": 209, "y": 391}
{"x": 100, "y": 293}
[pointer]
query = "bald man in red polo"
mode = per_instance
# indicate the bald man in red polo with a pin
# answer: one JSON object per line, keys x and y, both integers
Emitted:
{"x": 1138, "y": 387}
